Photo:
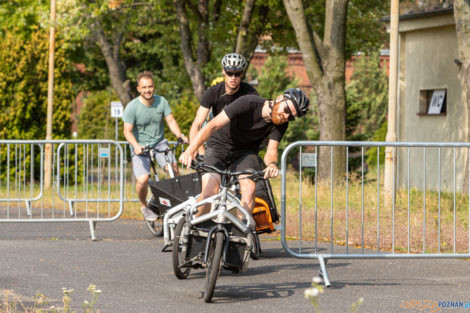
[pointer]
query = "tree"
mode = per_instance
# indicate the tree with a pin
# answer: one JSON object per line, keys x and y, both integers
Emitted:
{"x": 23, "y": 88}
{"x": 324, "y": 50}
{"x": 462, "y": 27}
{"x": 367, "y": 97}
{"x": 210, "y": 25}
{"x": 106, "y": 24}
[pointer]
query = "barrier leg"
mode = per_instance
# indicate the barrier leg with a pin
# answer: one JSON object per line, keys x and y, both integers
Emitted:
{"x": 28, "y": 207}
{"x": 71, "y": 202}
{"x": 92, "y": 229}
{"x": 323, "y": 273}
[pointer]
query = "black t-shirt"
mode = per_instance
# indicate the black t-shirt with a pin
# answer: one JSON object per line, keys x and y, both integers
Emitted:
{"x": 247, "y": 128}
{"x": 216, "y": 98}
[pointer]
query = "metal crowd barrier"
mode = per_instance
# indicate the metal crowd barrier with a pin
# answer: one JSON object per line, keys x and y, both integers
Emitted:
{"x": 425, "y": 215}
{"x": 87, "y": 171}
{"x": 129, "y": 179}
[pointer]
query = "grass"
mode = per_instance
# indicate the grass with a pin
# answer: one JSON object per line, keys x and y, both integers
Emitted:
{"x": 13, "y": 304}
{"x": 413, "y": 225}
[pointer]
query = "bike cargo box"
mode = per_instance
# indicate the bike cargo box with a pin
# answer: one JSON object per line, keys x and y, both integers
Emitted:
{"x": 262, "y": 216}
{"x": 235, "y": 250}
{"x": 264, "y": 191}
{"x": 173, "y": 191}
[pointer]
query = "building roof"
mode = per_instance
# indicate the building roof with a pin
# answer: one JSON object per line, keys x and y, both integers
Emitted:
{"x": 410, "y": 15}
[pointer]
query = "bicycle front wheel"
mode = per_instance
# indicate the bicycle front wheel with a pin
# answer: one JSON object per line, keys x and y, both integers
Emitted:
{"x": 214, "y": 265}
{"x": 179, "y": 252}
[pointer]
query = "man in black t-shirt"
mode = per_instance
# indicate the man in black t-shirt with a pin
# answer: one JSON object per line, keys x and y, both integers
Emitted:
{"x": 235, "y": 137}
{"x": 221, "y": 94}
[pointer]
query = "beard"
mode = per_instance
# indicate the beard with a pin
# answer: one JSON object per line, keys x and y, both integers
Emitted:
{"x": 147, "y": 97}
{"x": 275, "y": 116}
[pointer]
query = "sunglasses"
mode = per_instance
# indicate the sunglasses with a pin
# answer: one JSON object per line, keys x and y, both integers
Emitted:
{"x": 289, "y": 112}
{"x": 236, "y": 74}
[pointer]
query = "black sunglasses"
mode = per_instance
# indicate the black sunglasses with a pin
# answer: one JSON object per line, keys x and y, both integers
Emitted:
{"x": 236, "y": 74}
{"x": 289, "y": 112}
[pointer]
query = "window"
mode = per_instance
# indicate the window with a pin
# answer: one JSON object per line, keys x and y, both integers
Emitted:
{"x": 433, "y": 102}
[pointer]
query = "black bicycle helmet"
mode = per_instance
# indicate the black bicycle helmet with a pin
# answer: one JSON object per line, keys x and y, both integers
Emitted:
{"x": 234, "y": 62}
{"x": 299, "y": 99}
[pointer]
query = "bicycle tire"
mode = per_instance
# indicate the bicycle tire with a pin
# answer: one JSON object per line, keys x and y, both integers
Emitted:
{"x": 155, "y": 227}
{"x": 256, "y": 250}
{"x": 177, "y": 256}
{"x": 214, "y": 265}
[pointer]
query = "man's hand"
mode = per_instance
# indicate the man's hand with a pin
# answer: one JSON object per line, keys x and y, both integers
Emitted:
{"x": 138, "y": 150}
{"x": 187, "y": 157}
{"x": 271, "y": 171}
{"x": 184, "y": 139}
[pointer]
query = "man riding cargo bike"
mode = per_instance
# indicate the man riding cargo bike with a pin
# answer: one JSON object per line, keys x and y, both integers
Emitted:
{"x": 234, "y": 138}
{"x": 143, "y": 126}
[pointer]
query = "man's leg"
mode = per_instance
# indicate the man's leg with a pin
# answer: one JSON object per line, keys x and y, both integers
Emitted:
{"x": 247, "y": 160}
{"x": 141, "y": 188}
{"x": 210, "y": 187}
{"x": 247, "y": 189}
{"x": 141, "y": 168}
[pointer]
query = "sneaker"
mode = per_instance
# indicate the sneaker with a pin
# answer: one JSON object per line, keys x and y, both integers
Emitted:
{"x": 149, "y": 215}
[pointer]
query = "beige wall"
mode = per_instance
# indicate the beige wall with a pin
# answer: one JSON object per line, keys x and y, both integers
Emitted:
{"x": 428, "y": 48}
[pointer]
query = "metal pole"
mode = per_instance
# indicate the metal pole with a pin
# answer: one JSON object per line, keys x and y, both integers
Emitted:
{"x": 392, "y": 102}
{"x": 116, "y": 129}
{"x": 50, "y": 97}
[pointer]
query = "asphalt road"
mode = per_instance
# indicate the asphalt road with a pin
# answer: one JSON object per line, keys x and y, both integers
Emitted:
{"x": 134, "y": 276}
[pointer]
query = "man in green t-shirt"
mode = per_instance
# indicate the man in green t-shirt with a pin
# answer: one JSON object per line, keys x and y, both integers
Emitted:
{"x": 143, "y": 126}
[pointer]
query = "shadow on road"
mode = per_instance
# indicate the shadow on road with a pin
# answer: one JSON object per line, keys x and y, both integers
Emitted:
{"x": 231, "y": 294}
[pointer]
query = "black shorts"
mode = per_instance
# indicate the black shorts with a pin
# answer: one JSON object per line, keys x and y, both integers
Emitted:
{"x": 234, "y": 160}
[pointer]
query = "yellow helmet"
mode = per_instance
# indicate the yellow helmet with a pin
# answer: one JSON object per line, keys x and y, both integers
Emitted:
{"x": 217, "y": 80}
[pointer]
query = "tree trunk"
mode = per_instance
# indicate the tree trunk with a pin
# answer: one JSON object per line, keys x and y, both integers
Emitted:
{"x": 325, "y": 64}
{"x": 116, "y": 68}
{"x": 247, "y": 39}
{"x": 192, "y": 66}
{"x": 462, "y": 27}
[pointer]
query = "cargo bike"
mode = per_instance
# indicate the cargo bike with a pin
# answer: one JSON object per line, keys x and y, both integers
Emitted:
{"x": 219, "y": 239}
{"x": 160, "y": 206}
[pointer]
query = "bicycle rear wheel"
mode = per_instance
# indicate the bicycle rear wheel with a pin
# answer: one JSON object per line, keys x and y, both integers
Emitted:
{"x": 155, "y": 227}
{"x": 179, "y": 252}
{"x": 214, "y": 265}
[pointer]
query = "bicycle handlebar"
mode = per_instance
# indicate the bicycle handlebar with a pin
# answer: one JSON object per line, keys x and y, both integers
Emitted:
{"x": 147, "y": 148}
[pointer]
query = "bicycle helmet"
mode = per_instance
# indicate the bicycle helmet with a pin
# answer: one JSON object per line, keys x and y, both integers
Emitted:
{"x": 299, "y": 99}
{"x": 234, "y": 62}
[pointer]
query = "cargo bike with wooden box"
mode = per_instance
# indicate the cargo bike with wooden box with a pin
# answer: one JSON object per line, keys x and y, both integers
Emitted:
{"x": 219, "y": 239}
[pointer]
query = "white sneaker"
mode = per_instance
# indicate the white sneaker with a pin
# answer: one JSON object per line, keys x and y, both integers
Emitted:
{"x": 149, "y": 215}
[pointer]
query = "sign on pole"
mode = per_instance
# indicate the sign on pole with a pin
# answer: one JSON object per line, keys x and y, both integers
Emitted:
{"x": 116, "y": 109}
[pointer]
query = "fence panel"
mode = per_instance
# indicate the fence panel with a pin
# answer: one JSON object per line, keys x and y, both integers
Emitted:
{"x": 87, "y": 181}
{"x": 425, "y": 214}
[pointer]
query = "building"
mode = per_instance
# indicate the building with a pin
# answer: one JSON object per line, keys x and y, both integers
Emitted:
{"x": 429, "y": 107}
{"x": 296, "y": 65}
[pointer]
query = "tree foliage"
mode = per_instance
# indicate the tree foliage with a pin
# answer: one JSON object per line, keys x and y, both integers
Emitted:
{"x": 273, "y": 78}
{"x": 367, "y": 97}
{"x": 22, "y": 17}
{"x": 94, "y": 120}
{"x": 23, "y": 88}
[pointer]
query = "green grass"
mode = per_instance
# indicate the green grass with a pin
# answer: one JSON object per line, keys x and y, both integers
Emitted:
{"x": 394, "y": 227}
{"x": 395, "y": 224}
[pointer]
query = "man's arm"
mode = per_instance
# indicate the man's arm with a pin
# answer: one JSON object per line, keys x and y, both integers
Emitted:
{"x": 270, "y": 159}
{"x": 131, "y": 138}
{"x": 201, "y": 116}
{"x": 175, "y": 129}
{"x": 205, "y": 133}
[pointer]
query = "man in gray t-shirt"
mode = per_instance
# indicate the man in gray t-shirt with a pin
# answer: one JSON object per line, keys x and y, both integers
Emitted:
{"x": 143, "y": 126}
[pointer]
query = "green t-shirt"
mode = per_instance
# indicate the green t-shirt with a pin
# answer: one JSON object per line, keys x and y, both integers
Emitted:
{"x": 147, "y": 121}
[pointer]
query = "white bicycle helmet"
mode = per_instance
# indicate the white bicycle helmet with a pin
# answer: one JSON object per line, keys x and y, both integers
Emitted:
{"x": 234, "y": 62}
